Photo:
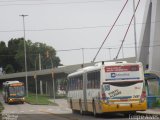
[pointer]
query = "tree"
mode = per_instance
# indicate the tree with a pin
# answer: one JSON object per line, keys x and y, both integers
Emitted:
{"x": 9, "y": 69}
{"x": 13, "y": 55}
{"x": 13, "y": 51}
{"x": 3, "y": 54}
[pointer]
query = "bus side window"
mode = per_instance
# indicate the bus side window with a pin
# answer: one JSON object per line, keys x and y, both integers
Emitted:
{"x": 72, "y": 84}
{"x": 81, "y": 82}
{"x": 97, "y": 79}
{"x": 93, "y": 80}
{"x": 89, "y": 80}
{"x": 76, "y": 82}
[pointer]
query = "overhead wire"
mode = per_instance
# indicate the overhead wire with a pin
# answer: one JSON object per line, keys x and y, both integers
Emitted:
{"x": 110, "y": 30}
{"x": 76, "y": 49}
{"x": 76, "y": 28}
{"x": 21, "y": 0}
{"x": 59, "y": 3}
{"x": 127, "y": 30}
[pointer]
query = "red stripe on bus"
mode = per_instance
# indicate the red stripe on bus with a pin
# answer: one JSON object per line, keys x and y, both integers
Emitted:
{"x": 122, "y": 68}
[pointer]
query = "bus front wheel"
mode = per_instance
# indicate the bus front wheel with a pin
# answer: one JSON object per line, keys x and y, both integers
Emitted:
{"x": 81, "y": 110}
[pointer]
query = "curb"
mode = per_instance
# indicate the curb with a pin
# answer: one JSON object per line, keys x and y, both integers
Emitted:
{"x": 54, "y": 104}
{"x": 148, "y": 113}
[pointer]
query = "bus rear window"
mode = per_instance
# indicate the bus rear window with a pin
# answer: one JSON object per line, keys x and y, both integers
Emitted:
{"x": 122, "y": 84}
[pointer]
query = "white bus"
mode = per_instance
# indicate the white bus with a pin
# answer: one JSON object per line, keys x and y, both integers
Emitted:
{"x": 108, "y": 87}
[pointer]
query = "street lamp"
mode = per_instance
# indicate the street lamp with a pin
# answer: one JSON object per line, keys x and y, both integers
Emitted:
{"x": 53, "y": 79}
{"x": 39, "y": 57}
{"x": 23, "y": 16}
{"x": 83, "y": 55}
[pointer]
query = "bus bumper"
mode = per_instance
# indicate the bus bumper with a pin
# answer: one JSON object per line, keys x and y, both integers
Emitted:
{"x": 124, "y": 107}
{"x": 14, "y": 100}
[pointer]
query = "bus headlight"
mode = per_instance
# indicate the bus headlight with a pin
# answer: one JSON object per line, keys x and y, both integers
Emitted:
{"x": 10, "y": 99}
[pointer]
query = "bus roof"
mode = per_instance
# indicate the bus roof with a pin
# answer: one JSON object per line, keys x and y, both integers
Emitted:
{"x": 10, "y": 82}
{"x": 99, "y": 65}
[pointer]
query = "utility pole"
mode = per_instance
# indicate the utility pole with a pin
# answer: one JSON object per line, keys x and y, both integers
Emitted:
{"x": 40, "y": 67}
{"x": 35, "y": 77}
{"x": 83, "y": 55}
{"x": 39, "y": 56}
{"x": 23, "y": 16}
{"x": 54, "y": 93}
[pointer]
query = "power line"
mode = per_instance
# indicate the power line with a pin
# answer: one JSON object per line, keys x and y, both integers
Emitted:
{"x": 21, "y": 0}
{"x": 68, "y": 50}
{"x": 127, "y": 29}
{"x": 60, "y": 3}
{"x": 110, "y": 30}
{"x": 35, "y": 0}
{"x": 76, "y": 49}
{"x": 76, "y": 28}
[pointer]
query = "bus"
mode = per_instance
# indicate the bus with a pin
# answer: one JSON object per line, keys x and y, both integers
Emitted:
{"x": 13, "y": 92}
{"x": 107, "y": 87}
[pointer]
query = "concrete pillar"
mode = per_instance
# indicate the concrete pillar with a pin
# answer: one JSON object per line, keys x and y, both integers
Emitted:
{"x": 41, "y": 87}
{"x": 46, "y": 88}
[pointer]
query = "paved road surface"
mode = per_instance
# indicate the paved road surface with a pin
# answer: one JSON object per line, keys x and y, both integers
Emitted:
{"x": 48, "y": 112}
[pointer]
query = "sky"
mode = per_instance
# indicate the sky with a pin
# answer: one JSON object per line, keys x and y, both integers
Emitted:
{"x": 74, "y": 28}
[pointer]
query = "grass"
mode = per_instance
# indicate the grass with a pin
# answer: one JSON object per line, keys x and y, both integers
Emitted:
{"x": 158, "y": 102}
{"x": 61, "y": 96}
{"x": 41, "y": 99}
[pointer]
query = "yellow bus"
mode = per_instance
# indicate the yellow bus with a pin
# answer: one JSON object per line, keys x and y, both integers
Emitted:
{"x": 107, "y": 87}
{"x": 13, "y": 91}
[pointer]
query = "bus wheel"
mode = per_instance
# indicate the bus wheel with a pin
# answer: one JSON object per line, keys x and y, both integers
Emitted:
{"x": 5, "y": 101}
{"x": 81, "y": 110}
{"x": 94, "y": 110}
{"x": 73, "y": 111}
{"x": 71, "y": 106}
{"x": 127, "y": 114}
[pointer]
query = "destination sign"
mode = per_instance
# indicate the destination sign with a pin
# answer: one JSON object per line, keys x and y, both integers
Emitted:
{"x": 121, "y": 68}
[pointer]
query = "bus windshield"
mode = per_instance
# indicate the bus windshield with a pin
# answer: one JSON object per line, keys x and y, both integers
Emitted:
{"x": 16, "y": 91}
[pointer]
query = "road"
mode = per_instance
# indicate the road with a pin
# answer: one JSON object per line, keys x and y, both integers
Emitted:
{"x": 49, "y": 112}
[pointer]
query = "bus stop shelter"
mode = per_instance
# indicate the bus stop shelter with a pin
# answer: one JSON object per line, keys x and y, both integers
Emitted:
{"x": 152, "y": 85}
